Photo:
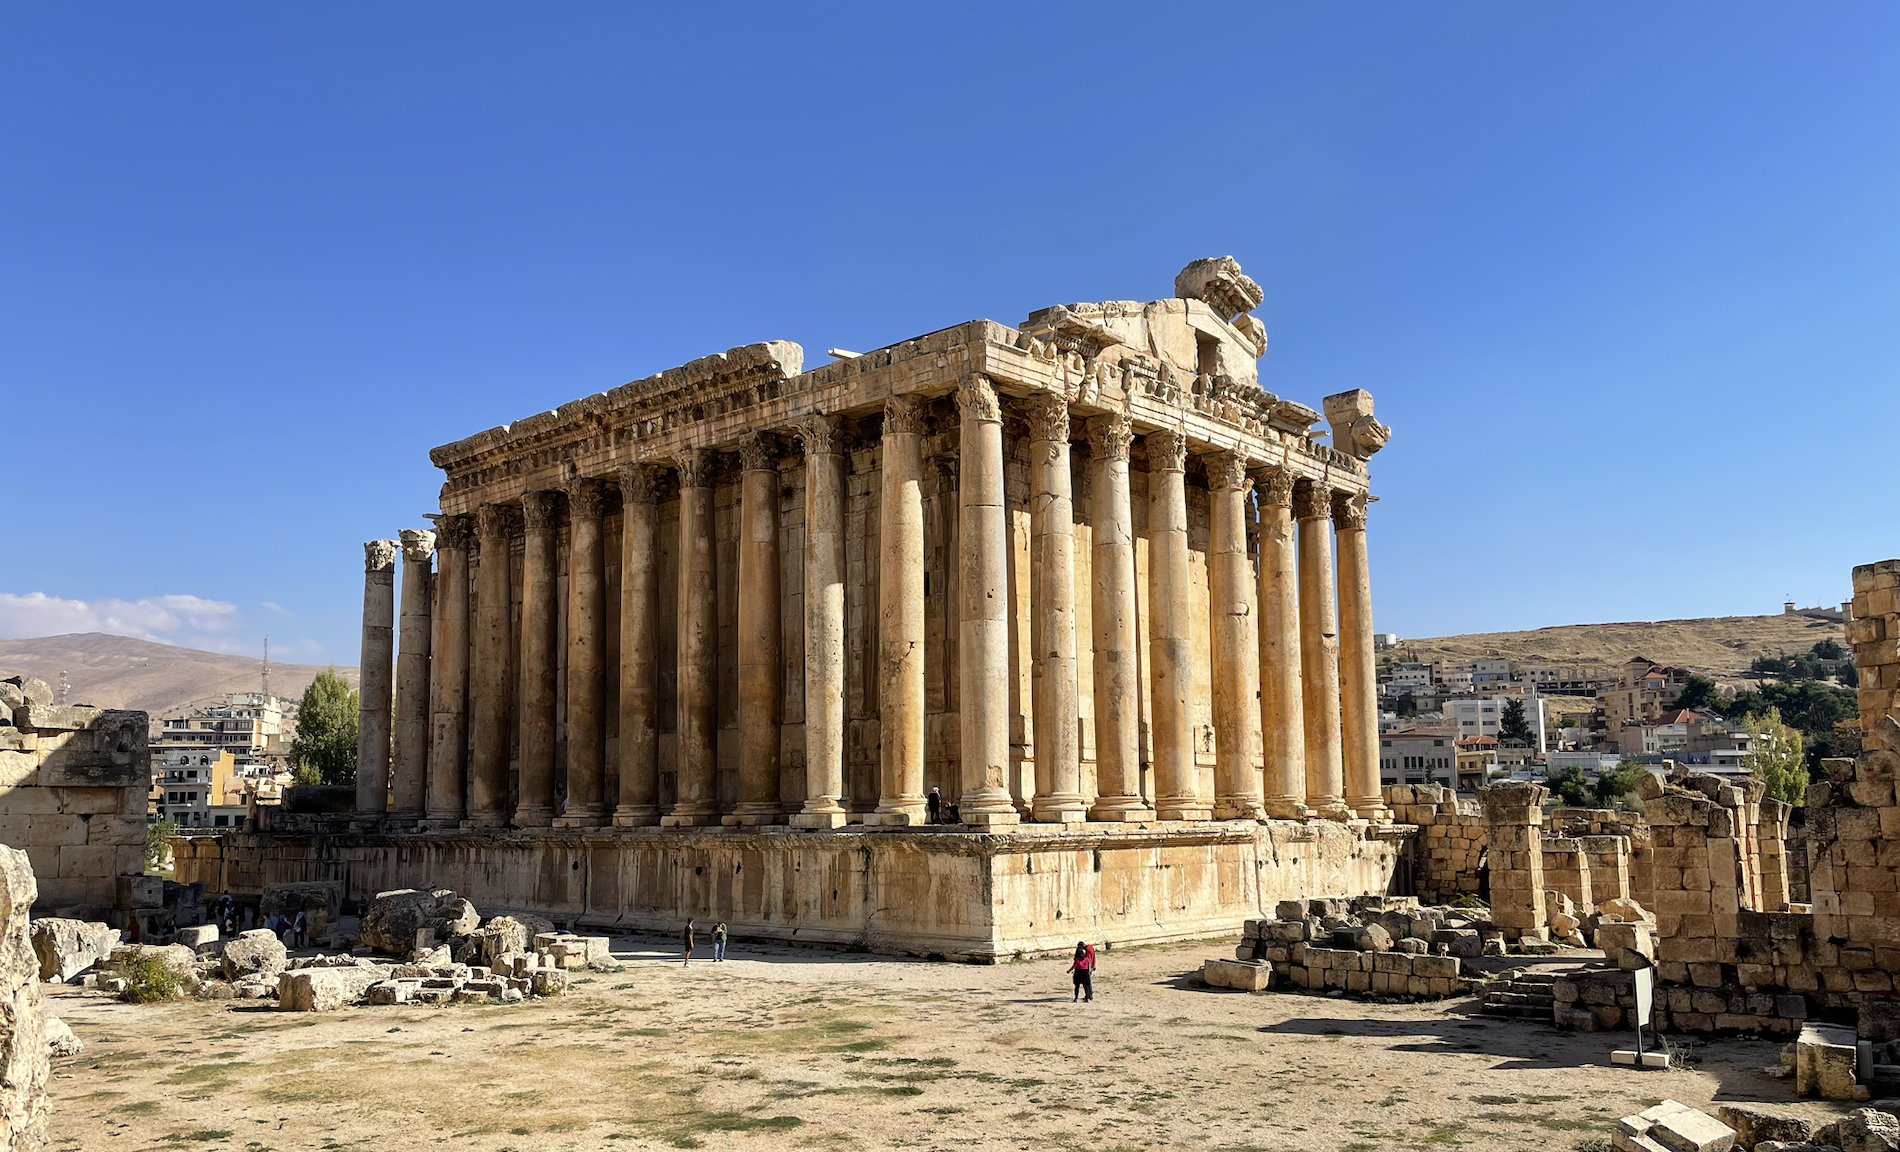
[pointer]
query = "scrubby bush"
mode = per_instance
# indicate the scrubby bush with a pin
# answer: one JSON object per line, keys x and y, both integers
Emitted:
{"x": 148, "y": 978}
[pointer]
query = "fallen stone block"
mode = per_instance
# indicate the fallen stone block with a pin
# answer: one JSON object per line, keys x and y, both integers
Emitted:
{"x": 1245, "y": 975}
{"x": 1825, "y": 1060}
{"x": 324, "y": 989}
{"x": 60, "y": 1041}
{"x": 1867, "y": 1130}
{"x": 66, "y": 948}
{"x": 200, "y": 938}
{"x": 255, "y": 953}
{"x": 1691, "y": 1130}
{"x": 549, "y": 981}
{"x": 390, "y": 923}
{"x": 1753, "y": 1125}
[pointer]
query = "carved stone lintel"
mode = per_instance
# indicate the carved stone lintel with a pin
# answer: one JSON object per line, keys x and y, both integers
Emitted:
{"x": 586, "y": 498}
{"x": 1349, "y": 511}
{"x": 1167, "y": 450}
{"x": 903, "y": 414}
{"x": 1274, "y": 484}
{"x": 456, "y": 532}
{"x": 759, "y": 452}
{"x": 698, "y": 467}
{"x": 379, "y": 555}
{"x": 1312, "y": 501}
{"x": 1226, "y": 472}
{"x": 541, "y": 510}
{"x": 1110, "y": 436}
{"x": 641, "y": 483}
{"x": 1048, "y": 417}
{"x": 497, "y": 521}
{"x": 820, "y": 435}
{"x": 976, "y": 400}
{"x": 1355, "y": 431}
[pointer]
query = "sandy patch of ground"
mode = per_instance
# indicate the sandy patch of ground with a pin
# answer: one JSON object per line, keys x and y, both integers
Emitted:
{"x": 786, "y": 1048}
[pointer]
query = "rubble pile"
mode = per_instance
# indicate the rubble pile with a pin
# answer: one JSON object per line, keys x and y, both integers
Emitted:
{"x": 1388, "y": 946}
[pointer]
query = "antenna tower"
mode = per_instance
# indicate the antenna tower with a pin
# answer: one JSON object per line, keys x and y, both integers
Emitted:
{"x": 267, "y": 665}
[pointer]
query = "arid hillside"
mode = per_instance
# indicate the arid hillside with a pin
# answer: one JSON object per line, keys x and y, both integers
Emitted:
{"x": 120, "y": 672}
{"x": 1717, "y": 646}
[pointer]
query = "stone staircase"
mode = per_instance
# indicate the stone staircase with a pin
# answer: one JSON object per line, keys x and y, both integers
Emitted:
{"x": 1526, "y": 995}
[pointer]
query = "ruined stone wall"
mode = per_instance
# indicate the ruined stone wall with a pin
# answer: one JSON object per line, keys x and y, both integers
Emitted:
{"x": 73, "y": 788}
{"x": 1513, "y": 825}
{"x": 1567, "y": 870}
{"x": 961, "y": 896}
{"x": 25, "y": 1065}
{"x": 1771, "y": 847}
{"x": 1449, "y": 849}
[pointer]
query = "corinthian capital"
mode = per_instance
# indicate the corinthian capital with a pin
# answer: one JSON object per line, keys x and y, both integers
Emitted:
{"x": 1312, "y": 501}
{"x": 697, "y": 468}
{"x": 1167, "y": 450}
{"x": 379, "y": 555}
{"x": 903, "y": 414}
{"x": 586, "y": 498}
{"x": 1274, "y": 484}
{"x": 1048, "y": 417}
{"x": 759, "y": 452}
{"x": 1110, "y": 436}
{"x": 820, "y": 435}
{"x": 1226, "y": 472}
{"x": 1349, "y": 511}
{"x": 497, "y": 521}
{"x": 641, "y": 483}
{"x": 457, "y": 532}
{"x": 418, "y": 544}
{"x": 976, "y": 400}
{"x": 541, "y": 510}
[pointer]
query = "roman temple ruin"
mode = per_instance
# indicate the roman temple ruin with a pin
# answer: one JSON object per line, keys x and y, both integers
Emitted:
{"x": 969, "y": 644}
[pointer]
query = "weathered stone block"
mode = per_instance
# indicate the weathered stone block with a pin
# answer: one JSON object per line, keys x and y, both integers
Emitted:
{"x": 1825, "y": 1058}
{"x": 65, "y": 948}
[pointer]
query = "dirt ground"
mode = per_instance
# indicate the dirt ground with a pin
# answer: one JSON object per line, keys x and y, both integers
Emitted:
{"x": 788, "y": 1048}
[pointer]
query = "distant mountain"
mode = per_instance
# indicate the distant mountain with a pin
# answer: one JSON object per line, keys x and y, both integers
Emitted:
{"x": 1718, "y": 646}
{"x": 120, "y": 672}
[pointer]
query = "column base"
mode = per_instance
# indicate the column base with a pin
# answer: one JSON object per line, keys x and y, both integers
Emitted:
{"x": 753, "y": 816}
{"x": 1238, "y": 808}
{"x": 636, "y": 816}
{"x": 366, "y": 823}
{"x": 1373, "y": 811}
{"x": 441, "y": 824}
{"x": 900, "y": 813}
{"x": 536, "y": 817}
{"x": 1330, "y": 808}
{"x": 478, "y": 820}
{"x": 1060, "y": 808}
{"x": 592, "y": 823}
{"x": 1285, "y": 808}
{"x": 1183, "y": 808}
{"x": 1121, "y": 809}
{"x": 1006, "y": 819}
{"x": 690, "y": 817}
{"x": 820, "y": 819}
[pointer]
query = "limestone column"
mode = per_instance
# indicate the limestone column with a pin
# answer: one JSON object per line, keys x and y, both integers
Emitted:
{"x": 448, "y": 680}
{"x": 1115, "y": 627}
{"x": 586, "y": 663}
{"x": 1170, "y": 630}
{"x": 761, "y": 671}
{"x": 1234, "y": 644}
{"x": 491, "y": 679}
{"x": 409, "y": 770}
{"x": 900, "y": 587}
{"x": 1282, "y": 714}
{"x": 1358, "y": 674}
{"x": 823, "y": 438}
{"x": 983, "y": 610}
{"x": 1319, "y": 652}
{"x": 696, "y": 796}
{"x": 534, "y": 806}
{"x": 639, "y": 739}
{"x": 374, "y": 683}
{"x": 1058, "y": 796}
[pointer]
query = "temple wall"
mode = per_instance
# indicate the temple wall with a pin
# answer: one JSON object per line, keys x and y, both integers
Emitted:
{"x": 969, "y": 897}
{"x": 73, "y": 787}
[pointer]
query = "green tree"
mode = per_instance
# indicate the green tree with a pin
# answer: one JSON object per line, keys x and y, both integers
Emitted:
{"x": 1697, "y": 692}
{"x": 1612, "y": 783}
{"x": 1513, "y": 725}
{"x": 158, "y": 843}
{"x": 1778, "y": 759}
{"x": 1406, "y": 707}
{"x": 326, "y": 731}
{"x": 1568, "y": 785}
{"x": 1828, "y": 650}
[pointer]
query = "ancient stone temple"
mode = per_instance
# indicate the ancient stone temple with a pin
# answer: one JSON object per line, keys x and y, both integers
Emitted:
{"x": 1080, "y": 586}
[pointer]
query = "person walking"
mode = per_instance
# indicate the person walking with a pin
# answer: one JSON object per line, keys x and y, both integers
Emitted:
{"x": 719, "y": 941}
{"x": 1083, "y": 968}
{"x": 687, "y": 940}
{"x": 933, "y": 805}
{"x": 296, "y": 929}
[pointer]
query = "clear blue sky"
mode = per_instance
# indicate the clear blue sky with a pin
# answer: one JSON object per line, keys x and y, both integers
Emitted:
{"x": 1624, "y": 279}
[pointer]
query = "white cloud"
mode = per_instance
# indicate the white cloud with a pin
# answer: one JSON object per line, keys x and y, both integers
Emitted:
{"x": 189, "y": 620}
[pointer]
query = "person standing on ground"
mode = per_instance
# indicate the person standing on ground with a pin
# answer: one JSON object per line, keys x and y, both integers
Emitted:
{"x": 296, "y": 929}
{"x": 688, "y": 941}
{"x": 1083, "y": 968}
{"x": 719, "y": 941}
{"x": 933, "y": 806}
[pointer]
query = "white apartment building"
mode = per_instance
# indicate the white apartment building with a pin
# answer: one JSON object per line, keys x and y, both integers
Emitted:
{"x": 1483, "y": 716}
{"x": 1409, "y": 679}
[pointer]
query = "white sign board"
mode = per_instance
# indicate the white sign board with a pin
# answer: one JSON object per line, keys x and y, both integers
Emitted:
{"x": 1645, "y": 994}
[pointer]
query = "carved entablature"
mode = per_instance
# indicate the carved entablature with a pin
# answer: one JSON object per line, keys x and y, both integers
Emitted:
{"x": 1355, "y": 432}
{"x": 1218, "y": 282}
